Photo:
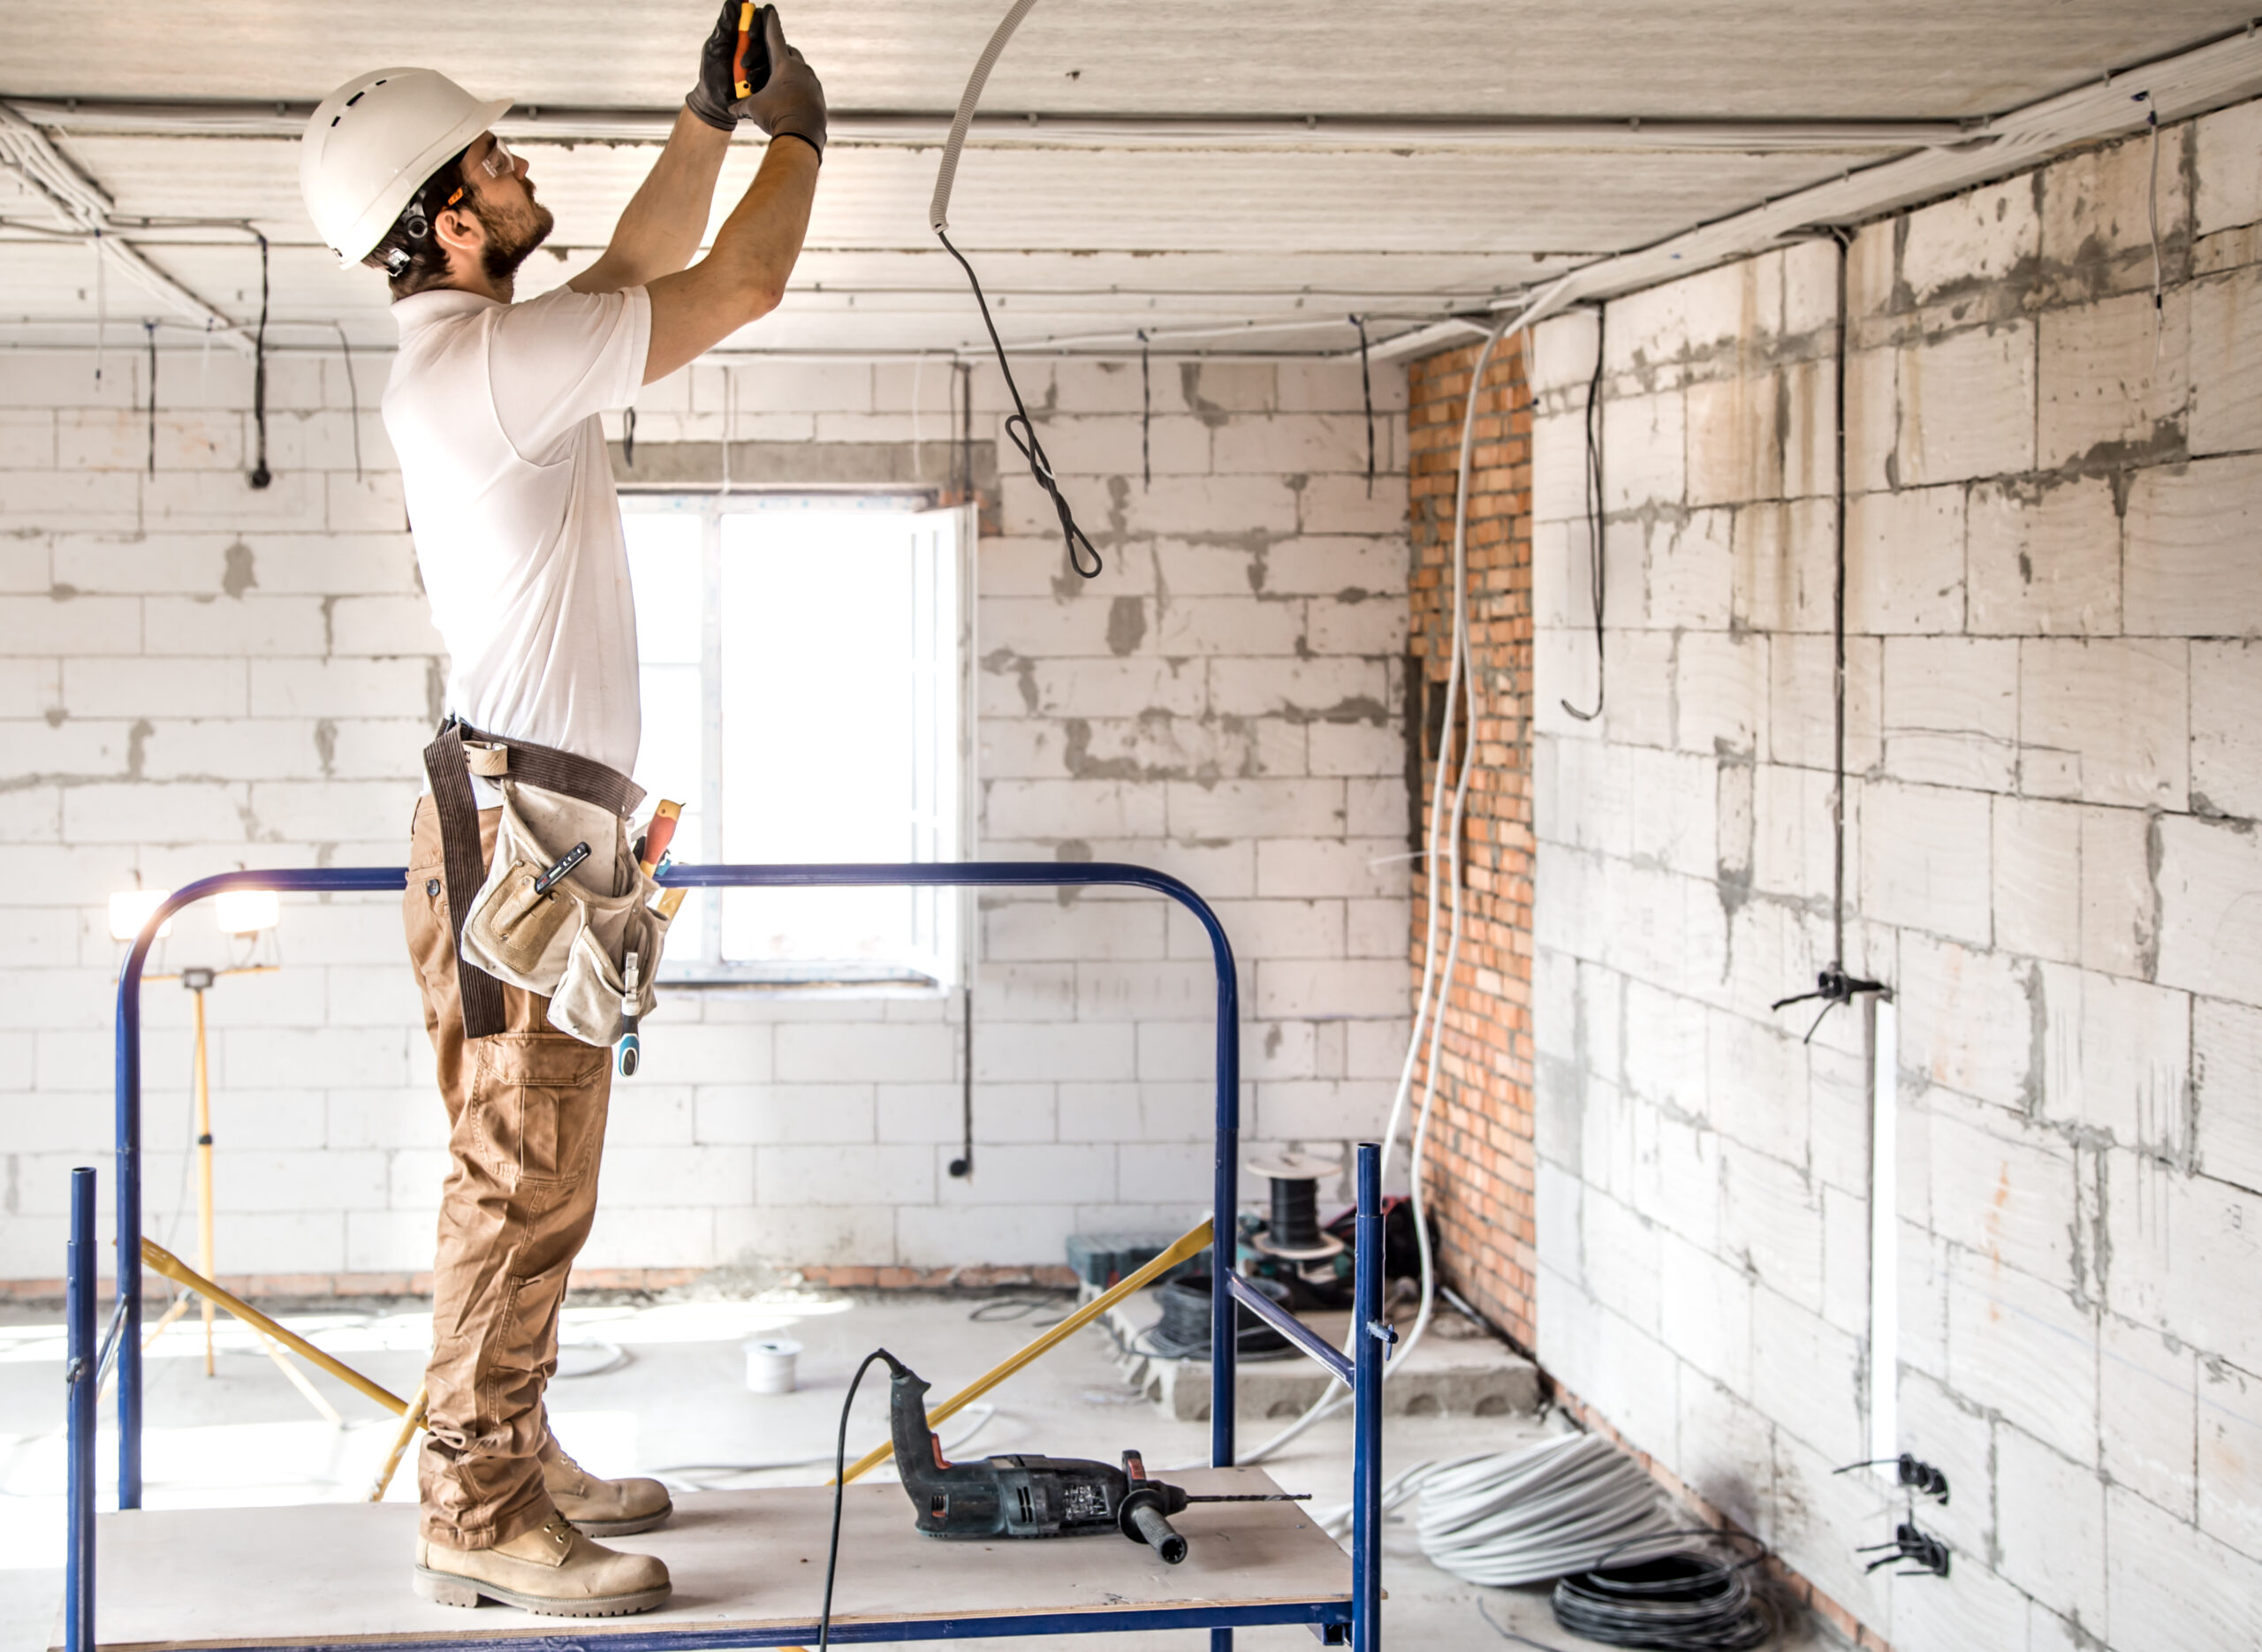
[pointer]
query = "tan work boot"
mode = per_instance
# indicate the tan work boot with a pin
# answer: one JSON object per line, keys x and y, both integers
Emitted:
{"x": 602, "y": 1508}
{"x": 552, "y": 1570}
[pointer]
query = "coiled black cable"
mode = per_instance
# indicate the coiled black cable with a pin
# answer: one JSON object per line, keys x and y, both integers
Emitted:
{"x": 1183, "y": 1331}
{"x": 1685, "y": 1601}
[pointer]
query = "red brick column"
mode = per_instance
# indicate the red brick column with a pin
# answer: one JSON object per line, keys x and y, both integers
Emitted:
{"x": 1480, "y": 1158}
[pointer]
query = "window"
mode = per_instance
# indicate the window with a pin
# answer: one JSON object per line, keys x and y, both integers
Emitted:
{"x": 806, "y": 685}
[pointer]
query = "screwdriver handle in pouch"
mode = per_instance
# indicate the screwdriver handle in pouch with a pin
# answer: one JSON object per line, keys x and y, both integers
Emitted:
{"x": 629, "y": 1050}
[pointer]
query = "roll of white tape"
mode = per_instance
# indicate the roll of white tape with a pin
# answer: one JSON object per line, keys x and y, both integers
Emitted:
{"x": 770, "y": 1365}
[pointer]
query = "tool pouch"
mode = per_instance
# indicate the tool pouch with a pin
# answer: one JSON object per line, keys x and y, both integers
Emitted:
{"x": 568, "y": 943}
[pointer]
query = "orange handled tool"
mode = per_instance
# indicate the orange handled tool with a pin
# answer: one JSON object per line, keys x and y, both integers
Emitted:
{"x": 747, "y": 13}
{"x": 659, "y": 832}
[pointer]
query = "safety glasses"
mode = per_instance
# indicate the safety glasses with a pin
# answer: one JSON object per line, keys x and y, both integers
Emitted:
{"x": 497, "y": 160}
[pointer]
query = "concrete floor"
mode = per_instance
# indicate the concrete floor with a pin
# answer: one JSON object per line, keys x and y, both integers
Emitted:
{"x": 674, "y": 1397}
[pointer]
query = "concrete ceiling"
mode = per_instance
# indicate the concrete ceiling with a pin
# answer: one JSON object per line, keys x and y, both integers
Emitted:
{"x": 1090, "y": 238}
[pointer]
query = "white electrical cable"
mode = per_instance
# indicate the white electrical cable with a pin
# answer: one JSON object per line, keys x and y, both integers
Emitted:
{"x": 1429, "y": 1003}
{"x": 940, "y": 207}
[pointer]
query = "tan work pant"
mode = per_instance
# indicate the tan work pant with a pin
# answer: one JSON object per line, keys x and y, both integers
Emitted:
{"x": 526, "y": 1129}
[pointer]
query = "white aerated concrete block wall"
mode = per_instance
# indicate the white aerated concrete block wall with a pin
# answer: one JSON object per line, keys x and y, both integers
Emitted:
{"x": 200, "y": 677}
{"x": 2053, "y": 666}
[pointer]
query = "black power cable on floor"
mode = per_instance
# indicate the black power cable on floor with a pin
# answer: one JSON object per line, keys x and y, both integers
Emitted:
{"x": 1679, "y": 1601}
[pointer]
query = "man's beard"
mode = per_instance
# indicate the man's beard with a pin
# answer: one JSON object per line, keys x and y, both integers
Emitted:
{"x": 511, "y": 241}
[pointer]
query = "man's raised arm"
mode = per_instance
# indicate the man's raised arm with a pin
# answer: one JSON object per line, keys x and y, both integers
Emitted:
{"x": 743, "y": 277}
{"x": 660, "y": 228}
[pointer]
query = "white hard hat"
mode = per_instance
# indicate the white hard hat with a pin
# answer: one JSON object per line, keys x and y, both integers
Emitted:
{"x": 372, "y": 143}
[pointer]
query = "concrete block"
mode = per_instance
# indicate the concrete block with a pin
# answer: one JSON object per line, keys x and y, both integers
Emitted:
{"x": 1071, "y": 808}
{"x": 1034, "y": 1052}
{"x": 1648, "y": 329}
{"x": 1791, "y": 841}
{"x": 1644, "y": 459}
{"x": 2000, "y": 1187}
{"x": 2168, "y": 1587}
{"x": 1235, "y": 626}
{"x": 66, "y": 624}
{"x": 854, "y": 1051}
{"x": 2228, "y": 180}
{"x": 1924, "y": 860}
{"x": 1371, "y": 626}
{"x": 2227, "y": 1074}
{"x": 898, "y": 1174}
{"x": 1784, "y": 565}
{"x": 2043, "y": 558}
{"x": 2026, "y": 1348}
{"x": 2146, "y": 1414}
{"x": 329, "y": 811}
{"x": 1705, "y": 1315}
{"x": 1954, "y": 247}
{"x": 28, "y": 438}
{"x": 1147, "y": 990}
{"x": 1873, "y": 420}
{"x": 2209, "y": 873}
{"x": 1317, "y": 986}
{"x": 1809, "y": 429}
{"x": 1961, "y": 1014}
{"x": 2120, "y": 905}
{"x": 1339, "y": 562}
{"x": 2226, "y": 745}
{"x": 1638, "y": 708}
{"x": 1735, "y": 438}
{"x": 2187, "y": 533}
{"x": 1904, "y": 561}
{"x": 1771, "y": 1225}
{"x": 1620, "y": 1250}
{"x": 1116, "y": 687}
{"x": 383, "y": 626}
{"x": 2106, "y": 721}
{"x": 2050, "y": 1522}
{"x": 1255, "y": 808}
{"x": 1083, "y": 930}
{"x": 2114, "y": 379}
{"x": 2230, "y": 1456}
{"x": 182, "y": 812}
{"x": 1562, "y": 352}
{"x": 1806, "y": 1377}
{"x": 1967, "y": 406}
{"x": 315, "y": 688}
{"x": 88, "y": 500}
{"x": 942, "y": 1236}
{"x": 2214, "y": 1244}
{"x": 1681, "y": 576}
{"x": 1720, "y": 690}
{"x": 1363, "y": 749}
{"x": 2098, "y": 207}
{"x": 1951, "y": 711}
{"x": 2035, "y": 854}
{"x": 1144, "y": 1111}
{"x": 761, "y": 1114}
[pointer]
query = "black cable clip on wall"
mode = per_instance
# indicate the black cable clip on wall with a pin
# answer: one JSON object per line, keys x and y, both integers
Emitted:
{"x": 1926, "y": 1555}
{"x": 1915, "y": 1474}
{"x": 1835, "y": 987}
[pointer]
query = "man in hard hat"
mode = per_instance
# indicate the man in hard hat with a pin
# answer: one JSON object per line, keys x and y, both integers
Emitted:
{"x": 493, "y": 408}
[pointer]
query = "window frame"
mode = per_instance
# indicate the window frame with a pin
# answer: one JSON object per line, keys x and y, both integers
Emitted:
{"x": 944, "y": 806}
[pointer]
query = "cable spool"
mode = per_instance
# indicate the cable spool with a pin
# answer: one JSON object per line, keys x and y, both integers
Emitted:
{"x": 1183, "y": 1331}
{"x": 1292, "y": 1233}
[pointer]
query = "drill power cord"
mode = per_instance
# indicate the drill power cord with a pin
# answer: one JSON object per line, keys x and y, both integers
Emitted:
{"x": 840, "y": 1488}
{"x": 1018, "y": 427}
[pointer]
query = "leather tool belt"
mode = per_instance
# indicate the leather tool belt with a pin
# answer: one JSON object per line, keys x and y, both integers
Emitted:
{"x": 455, "y": 754}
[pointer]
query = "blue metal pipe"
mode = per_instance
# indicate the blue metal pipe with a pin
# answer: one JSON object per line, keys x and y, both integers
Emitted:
{"x": 1371, "y": 1345}
{"x": 81, "y": 1381}
{"x": 329, "y": 880}
{"x": 1295, "y": 1329}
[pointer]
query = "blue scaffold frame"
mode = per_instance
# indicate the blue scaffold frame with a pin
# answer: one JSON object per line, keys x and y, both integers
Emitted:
{"x": 1335, "y": 1621}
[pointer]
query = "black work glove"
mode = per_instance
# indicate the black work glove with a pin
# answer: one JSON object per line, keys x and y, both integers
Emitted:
{"x": 791, "y": 103}
{"x": 718, "y": 88}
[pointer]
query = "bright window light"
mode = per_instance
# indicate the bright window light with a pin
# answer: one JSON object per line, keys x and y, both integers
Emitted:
{"x": 130, "y": 909}
{"x": 248, "y": 910}
{"x": 804, "y": 675}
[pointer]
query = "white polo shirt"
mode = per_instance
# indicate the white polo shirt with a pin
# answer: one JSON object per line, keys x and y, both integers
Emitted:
{"x": 493, "y": 410}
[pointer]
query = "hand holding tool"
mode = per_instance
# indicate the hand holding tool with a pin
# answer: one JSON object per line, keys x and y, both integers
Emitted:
{"x": 790, "y": 102}
{"x": 733, "y": 64}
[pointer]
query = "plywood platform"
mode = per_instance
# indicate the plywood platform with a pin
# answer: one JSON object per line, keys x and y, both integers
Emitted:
{"x": 749, "y": 1568}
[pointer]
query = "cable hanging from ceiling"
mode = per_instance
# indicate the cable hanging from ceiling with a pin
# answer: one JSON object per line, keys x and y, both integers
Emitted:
{"x": 1018, "y": 426}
